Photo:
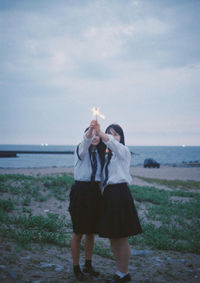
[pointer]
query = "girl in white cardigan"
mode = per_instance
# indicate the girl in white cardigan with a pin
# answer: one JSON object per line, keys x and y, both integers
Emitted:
{"x": 119, "y": 218}
{"x": 85, "y": 199}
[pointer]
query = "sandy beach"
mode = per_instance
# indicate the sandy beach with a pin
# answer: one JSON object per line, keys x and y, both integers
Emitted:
{"x": 165, "y": 172}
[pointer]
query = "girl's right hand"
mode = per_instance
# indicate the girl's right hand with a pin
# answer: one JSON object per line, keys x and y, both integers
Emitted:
{"x": 90, "y": 132}
{"x": 103, "y": 136}
{"x": 93, "y": 124}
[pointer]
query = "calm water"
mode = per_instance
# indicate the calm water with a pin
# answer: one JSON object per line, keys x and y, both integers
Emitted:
{"x": 166, "y": 155}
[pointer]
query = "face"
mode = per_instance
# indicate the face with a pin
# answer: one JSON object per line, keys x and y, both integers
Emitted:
{"x": 115, "y": 135}
{"x": 96, "y": 139}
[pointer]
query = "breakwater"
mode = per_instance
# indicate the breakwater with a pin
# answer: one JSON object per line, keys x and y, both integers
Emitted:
{"x": 13, "y": 153}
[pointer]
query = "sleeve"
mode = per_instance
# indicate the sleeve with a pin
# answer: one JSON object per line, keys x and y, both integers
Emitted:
{"x": 83, "y": 146}
{"x": 118, "y": 148}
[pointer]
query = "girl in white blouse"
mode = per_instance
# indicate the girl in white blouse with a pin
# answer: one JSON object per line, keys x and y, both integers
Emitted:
{"x": 119, "y": 218}
{"x": 85, "y": 199}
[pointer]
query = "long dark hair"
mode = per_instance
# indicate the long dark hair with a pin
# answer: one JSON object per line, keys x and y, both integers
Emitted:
{"x": 101, "y": 147}
{"x": 118, "y": 130}
{"x": 101, "y": 151}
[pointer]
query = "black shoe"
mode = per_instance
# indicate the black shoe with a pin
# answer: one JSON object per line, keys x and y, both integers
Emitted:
{"x": 117, "y": 279}
{"x": 90, "y": 270}
{"x": 80, "y": 276}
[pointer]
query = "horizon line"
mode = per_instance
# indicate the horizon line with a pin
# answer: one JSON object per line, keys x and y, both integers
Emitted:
{"x": 46, "y": 144}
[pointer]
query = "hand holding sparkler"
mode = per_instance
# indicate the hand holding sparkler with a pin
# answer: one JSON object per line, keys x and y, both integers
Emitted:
{"x": 93, "y": 124}
{"x": 99, "y": 132}
{"x": 95, "y": 113}
{"x": 97, "y": 128}
{"x": 91, "y": 128}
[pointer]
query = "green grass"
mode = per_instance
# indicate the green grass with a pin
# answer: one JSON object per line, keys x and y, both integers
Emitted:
{"x": 42, "y": 229}
{"x": 26, "y": 201}
{"x": 178, "y": 222}
{"x": 38, "y": 188}
{"x": 167, "y": 223}
{"x": 189, "y": 184}
{"x": 6, "y": 205}
{"x": 24, "y": 227}
{"x": 150, "y": 194}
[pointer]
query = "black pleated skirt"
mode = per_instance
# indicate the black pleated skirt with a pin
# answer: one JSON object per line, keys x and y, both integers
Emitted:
{"x": 85, "y": 207}
{"x": 119, "y": 216}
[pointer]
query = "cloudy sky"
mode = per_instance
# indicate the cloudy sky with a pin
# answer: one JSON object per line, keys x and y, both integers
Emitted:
{"x": 138, "y": 60}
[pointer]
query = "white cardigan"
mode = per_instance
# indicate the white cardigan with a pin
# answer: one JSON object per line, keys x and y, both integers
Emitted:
{"x": 82, "y": 162}
{"x": 119, "y": 166}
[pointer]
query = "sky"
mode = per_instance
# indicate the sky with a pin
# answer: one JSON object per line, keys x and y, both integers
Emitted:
{"x": 138, "y": 60}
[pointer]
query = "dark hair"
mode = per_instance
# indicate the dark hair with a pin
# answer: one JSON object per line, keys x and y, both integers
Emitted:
{"x": 101, "y": 150}
{"x": 118, "y": 130}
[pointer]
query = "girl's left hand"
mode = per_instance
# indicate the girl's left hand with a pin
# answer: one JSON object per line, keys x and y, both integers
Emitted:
{"x": 97, "y": 128}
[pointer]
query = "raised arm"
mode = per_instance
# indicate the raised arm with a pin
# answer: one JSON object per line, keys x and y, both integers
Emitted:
{"x": 118, "y": 148}
{"x": 101, "y": 134}
{"x": 86, "y": 142}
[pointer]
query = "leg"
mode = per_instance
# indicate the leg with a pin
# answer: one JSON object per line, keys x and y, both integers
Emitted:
{"x": 121, "y": 251}
{"x": 75, "y": 248}
{"x": 89, "y": 246}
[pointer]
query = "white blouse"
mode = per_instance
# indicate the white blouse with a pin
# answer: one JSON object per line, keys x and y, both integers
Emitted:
{"x": 82, "y": 162}
{"x": 119, "y": 166}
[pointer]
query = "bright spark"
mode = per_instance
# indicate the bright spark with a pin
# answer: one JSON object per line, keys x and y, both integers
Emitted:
{"x": 96, "y": 112}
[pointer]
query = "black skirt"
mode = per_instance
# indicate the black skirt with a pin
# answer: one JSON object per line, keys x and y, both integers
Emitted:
{"x": 84, "y": 207}
{"x": 119, "y": 217}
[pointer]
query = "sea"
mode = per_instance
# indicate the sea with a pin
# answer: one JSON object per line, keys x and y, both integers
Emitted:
{"x": 165, "y": 155}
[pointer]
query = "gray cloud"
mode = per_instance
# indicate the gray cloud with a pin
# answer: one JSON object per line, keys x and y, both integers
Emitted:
{"x": 137, "y": 59}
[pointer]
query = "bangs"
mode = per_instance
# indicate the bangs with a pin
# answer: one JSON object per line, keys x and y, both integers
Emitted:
{"x": 118, "y": 130}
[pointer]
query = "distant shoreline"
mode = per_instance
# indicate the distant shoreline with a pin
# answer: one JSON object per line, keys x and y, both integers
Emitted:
{"x": 166, "y": 156}
{"x": 174, "y": 165}
{"x": 164, "y": 172}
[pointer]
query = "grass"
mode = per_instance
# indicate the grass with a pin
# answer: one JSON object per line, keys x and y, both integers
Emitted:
{"x": 167, "y": 223}
{"x": 6, "y": 205}
{"x": 143, "y": 194}
{"x": 23, "y": 227}
{"x": 189, "y": 184}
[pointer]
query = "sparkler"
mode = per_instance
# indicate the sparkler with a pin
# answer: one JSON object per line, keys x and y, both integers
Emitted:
{"x": 96, "y": 112}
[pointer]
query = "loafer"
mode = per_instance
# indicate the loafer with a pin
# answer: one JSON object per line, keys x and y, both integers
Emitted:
{"x": 90, "y": 270}
{"x": 80, "y": 276}
{"x": 118, "y": 279}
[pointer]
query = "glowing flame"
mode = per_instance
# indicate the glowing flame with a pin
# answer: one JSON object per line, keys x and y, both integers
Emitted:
{"x": 96, "y": 112}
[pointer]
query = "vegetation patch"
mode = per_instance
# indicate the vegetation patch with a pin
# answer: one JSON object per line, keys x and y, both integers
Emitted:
{"x": 179, "y": 222}
{"x": 186, "y": 185}
{"x": 167, "y": 224}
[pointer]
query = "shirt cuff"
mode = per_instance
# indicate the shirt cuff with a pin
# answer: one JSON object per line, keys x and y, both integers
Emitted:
{"x": 85, "y": 138}
{"x": 110, "y": 139}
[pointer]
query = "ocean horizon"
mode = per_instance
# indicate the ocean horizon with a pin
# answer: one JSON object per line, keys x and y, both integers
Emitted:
{"x": 165, "y": 155}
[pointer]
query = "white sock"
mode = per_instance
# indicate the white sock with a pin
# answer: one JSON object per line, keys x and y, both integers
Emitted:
{"x": 121, "y": 274}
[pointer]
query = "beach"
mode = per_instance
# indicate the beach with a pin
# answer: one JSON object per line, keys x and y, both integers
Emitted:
{"x": 138, "y": 173}
{"x": 164, "y": 172}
